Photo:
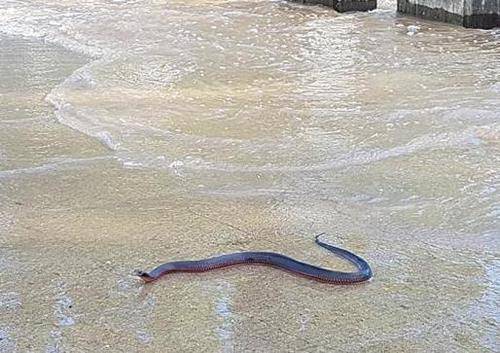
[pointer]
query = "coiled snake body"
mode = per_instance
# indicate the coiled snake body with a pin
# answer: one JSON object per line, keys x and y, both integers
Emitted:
{"x": 364, "y": 272}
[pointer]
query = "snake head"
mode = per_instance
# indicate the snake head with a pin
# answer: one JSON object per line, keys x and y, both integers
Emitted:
{"x": 146, "y": 277}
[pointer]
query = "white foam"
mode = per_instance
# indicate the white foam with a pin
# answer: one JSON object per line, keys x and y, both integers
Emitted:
{"x": 360, "y": 157}
{"x": 68, "y": 163}
{"x": 107, "y": 139}
{"x": 412, "y": 30}
{"x": 223, "y": 310}
{"x": 64, "y": 318}
{"x": 81, "y": 121}
{"x": 495, "y": 87}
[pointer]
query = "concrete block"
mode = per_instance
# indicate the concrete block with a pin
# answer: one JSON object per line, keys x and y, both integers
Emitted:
{"x": 344, "y": 5}
{"x": 468, "y": 13}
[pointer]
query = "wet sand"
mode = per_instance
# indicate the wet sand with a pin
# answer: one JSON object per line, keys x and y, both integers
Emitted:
{"x": 75, "y": 222}
{"x": 71, "y": 240}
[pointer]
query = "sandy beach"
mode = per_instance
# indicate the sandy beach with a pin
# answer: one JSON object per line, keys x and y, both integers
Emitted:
{"x": 107, "y": 167}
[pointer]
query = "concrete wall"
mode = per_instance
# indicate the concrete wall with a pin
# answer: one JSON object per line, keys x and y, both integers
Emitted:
{"x": 482, "y": 13}
{"x": 453, "y": 6}
{"x": 344, "y": 5}
{"x": 468, "y": 13}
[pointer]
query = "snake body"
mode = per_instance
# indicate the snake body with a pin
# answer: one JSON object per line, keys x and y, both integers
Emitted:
{"x": 363, "y": 273}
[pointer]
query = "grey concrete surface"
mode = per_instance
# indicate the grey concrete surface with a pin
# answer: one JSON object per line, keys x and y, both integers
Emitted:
{"x": 344, "y": 5}
{"x": 468, "y": 13}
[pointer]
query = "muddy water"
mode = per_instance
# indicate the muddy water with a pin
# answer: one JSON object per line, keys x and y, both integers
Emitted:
{"x": 133, "y": 133}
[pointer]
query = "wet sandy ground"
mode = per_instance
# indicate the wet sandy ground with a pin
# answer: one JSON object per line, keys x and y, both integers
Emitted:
{"x": 74, "y": 224}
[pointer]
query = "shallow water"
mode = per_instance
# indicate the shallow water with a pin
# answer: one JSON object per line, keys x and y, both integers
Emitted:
{"x": 133, "y": 133}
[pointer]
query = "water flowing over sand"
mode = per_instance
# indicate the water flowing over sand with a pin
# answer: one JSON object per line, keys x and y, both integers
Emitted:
{"x": 136, "y": 132}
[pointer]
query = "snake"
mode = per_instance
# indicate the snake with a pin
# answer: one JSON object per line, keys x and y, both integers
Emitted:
{"x": 363, "y": 273}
